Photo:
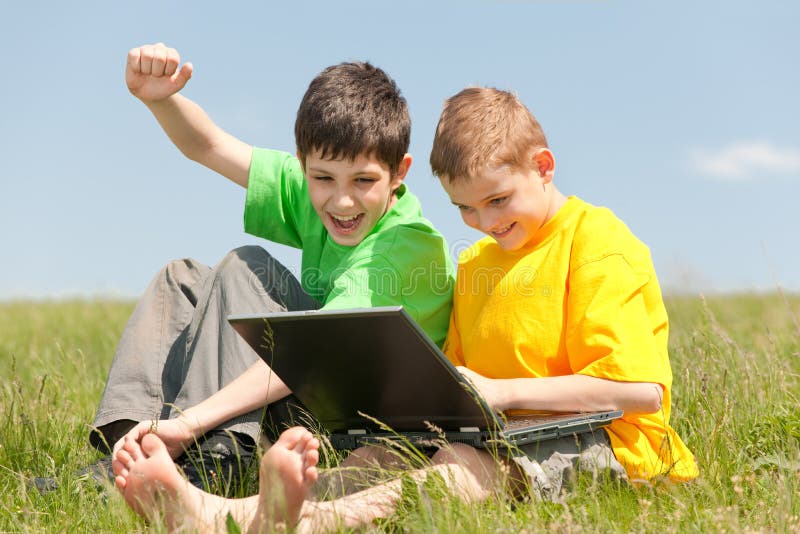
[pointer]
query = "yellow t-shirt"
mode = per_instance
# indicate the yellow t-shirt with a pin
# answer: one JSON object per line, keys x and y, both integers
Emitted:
{"x": 583, "y": 300}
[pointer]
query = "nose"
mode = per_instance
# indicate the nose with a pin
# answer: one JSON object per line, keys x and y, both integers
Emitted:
{"x": 477, "y": 220}
{"x": 485, "y": 222}
{"x": 343, "y": 199}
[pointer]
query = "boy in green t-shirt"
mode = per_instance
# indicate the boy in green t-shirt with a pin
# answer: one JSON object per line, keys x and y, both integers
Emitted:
{"x": 342, "y": 201}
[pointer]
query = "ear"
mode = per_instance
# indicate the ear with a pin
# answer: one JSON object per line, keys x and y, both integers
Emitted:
{"x": 402, "y": 172}
{"x": 302, "y": 161}
{"x": 545, "y": 163}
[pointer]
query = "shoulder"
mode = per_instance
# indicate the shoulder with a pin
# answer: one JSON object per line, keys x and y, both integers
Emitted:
{"x": 478, "y": 254}
{"x": 269, "y": 164}
{"x": 600, "y": 234}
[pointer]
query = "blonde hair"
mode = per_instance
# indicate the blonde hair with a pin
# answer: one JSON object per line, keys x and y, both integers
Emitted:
{"x": 480, "y": 127}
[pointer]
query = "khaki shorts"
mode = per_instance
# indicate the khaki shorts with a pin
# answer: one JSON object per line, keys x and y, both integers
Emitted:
{"x": 551, "y": 466}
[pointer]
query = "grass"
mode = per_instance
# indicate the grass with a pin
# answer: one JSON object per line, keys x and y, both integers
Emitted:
{"x": 736, "y": 362}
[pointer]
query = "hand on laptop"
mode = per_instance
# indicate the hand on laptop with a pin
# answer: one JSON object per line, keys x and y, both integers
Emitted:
{"x": 487, "y": 387}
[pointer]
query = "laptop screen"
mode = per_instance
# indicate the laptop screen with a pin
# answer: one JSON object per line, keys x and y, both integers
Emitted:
{"x": 376, "y": 361}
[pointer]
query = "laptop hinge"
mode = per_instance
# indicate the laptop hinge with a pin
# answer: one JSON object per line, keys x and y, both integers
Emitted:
{"x": 356, "y": 432}
{"x": 469, "y": 429}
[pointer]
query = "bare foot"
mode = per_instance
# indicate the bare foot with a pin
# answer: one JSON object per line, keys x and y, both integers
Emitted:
{"x": 152, "y": 485}
{"x": 288, "y": 470}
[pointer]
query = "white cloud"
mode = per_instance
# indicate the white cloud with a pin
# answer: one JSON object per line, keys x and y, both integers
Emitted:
{"x": 746, "y": 161}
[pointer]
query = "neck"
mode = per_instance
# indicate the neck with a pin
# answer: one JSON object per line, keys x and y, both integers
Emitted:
{"x": 557, "y": 199}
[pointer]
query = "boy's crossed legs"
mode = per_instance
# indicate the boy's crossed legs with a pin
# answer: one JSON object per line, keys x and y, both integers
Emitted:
{"x": 154, "y": 488}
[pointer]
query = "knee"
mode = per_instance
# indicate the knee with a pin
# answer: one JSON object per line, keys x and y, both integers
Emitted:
{"x": 471, "y": 473}
{"x": 249, "y": 253}
{"x": 246, "y": 255}
{"x": 185, "y": 271}
{"x": 478, "y": 463}
{"x": 253, "y": 267}
{"x": 242, "y": 262}
{"x": 599, "y": 459}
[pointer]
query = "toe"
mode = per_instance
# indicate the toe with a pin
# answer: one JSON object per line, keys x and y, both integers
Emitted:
{"x": 152, "y": 445}
{"x": 124, "y": 460}
{"x": 311, "y": 458}
{"x": 291, "y": 437}
{"x": 310, "y": 475}
{"x": 133, "y": 449}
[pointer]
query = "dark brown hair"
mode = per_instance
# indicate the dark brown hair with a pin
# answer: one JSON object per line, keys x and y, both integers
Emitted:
{"x": 353, "y": 109}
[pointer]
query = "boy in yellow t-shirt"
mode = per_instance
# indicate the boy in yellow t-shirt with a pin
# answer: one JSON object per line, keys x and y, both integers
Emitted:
{"x": 558, "y": 308}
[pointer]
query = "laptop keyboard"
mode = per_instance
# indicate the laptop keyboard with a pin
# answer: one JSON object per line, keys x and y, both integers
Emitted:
{"x": 518, "y": 421}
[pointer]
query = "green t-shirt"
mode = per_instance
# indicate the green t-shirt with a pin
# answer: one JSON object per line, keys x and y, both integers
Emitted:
{"x": 402, "y": 261}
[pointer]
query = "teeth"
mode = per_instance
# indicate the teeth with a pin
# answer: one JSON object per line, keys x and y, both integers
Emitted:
{"x": 345, "y": 219}
{"x": 502, "y": 230}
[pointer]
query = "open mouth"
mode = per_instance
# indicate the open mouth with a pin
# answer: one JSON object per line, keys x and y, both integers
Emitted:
{"x": 346, "y": 225}
{"x": 502, "y": 232}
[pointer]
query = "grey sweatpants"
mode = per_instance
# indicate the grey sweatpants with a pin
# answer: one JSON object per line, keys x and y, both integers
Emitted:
{"x": 178, "y": 348}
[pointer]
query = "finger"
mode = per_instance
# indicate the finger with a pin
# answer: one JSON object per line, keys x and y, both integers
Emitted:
{"x": 183, "y": 75}
{"x": 172, "y": 62}
{"x": 142, "y": 429}
{"x": 121, "y": 482}
{"x": 135, "y": 60}
{"x": 133, "y": 434}
{"x": 147, "y": 59}
{"x": 159, "y": 60}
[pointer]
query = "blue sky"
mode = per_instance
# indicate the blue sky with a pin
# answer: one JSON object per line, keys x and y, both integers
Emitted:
{"x": 682, "y": 117}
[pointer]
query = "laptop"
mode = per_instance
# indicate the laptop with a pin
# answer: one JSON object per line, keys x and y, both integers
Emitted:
{"x": 373, "y": 374}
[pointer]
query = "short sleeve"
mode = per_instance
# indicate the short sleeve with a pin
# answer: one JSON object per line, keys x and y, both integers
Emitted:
{"x": 612, "y": 331}
{"x": 277, "y": 202}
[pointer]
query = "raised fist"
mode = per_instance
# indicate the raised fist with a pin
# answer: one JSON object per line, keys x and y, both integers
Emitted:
{"x": 152, "y": 72}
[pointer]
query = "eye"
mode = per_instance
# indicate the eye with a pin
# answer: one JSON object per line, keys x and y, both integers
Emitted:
{"x": 365, "y": 180}
{"x": 322, "y": 178}
{"x": 463, "y": 209}
{"x": 499, "y": 201}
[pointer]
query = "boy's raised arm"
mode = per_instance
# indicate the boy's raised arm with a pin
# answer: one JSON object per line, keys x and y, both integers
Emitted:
{"x": 154, "y": 75}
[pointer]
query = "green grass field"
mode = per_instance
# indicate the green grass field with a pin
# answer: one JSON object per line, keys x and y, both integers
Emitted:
{"x": 735, "y": 361}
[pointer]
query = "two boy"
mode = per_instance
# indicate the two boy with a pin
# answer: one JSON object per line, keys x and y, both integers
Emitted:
{"x": 569, "y": 318}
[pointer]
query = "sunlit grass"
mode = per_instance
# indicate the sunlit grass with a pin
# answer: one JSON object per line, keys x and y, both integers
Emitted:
{"x": 736, "y": 361}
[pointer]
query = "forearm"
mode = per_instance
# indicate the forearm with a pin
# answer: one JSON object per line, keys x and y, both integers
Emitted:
{"x": 255, "y": 388}
{"x": 199, "y": 139}
{"x": 577, "y": 393}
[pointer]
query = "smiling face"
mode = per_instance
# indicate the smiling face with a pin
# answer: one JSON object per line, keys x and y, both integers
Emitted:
{"x": 350, "y": 197}
{"x": 508, "y": 204}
